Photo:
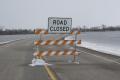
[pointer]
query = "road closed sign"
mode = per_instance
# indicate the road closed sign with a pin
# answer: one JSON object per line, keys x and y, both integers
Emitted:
{"x": 59, "y": 25}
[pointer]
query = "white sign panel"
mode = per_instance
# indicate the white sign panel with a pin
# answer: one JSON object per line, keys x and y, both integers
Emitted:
{"x": 59, "y": 25}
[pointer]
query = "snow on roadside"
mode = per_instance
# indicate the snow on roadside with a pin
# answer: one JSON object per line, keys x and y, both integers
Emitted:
{"x": 101, "y": 47}
{"x": 8, "y": 41}
{"x": 38, "y": 62}
{"x": 4, "y": 39}
{"x": 5, "y": 42}
{"x": 98, "y": 47}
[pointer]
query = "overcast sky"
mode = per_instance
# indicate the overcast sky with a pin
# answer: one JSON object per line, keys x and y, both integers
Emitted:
{"x": 35, "y": 13}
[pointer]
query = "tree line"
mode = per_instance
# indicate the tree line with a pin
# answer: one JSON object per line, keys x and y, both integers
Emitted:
{"x": 97, "y": 28}
{"x": 15, "y": 31}
{"x": 101, "y": 28}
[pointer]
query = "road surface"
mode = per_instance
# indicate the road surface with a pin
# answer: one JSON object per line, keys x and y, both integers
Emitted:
{"x": 15, "y": 58}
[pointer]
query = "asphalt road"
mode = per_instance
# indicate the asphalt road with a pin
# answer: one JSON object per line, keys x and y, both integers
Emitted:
{"x": 15, "y": 58}
{"x": 93, "y": 66}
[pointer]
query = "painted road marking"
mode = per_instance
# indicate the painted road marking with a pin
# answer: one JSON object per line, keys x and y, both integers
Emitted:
{"x": 99, "y": 57}
{"x": 50, "y": 73}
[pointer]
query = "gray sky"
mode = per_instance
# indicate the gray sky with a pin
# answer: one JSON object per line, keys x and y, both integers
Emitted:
{"x": 35, "y": 13}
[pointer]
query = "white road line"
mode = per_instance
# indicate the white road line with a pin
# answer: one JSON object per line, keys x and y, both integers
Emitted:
{"x": 99, "y": 57}
{"x": 7, "y": 42}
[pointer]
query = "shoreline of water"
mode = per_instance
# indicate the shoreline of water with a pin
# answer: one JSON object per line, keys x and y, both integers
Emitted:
{"x": 107, "y": 42}
{"x": 98, "y": 47}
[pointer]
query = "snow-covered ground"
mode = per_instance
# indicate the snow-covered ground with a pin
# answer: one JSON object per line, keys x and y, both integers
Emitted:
{"x": 107, "y": 42}
{"x": 101, "y": 47}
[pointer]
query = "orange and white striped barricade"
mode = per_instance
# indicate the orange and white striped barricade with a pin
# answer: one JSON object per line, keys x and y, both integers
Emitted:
{"x": 57, "y": 42}
{"x": 40, "y": 31}
{"x": 55, "y": 53}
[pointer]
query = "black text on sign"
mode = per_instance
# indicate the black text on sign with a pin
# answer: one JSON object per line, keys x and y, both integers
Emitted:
{"x": 59, "y": 25}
